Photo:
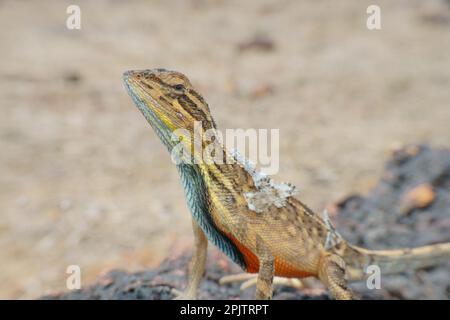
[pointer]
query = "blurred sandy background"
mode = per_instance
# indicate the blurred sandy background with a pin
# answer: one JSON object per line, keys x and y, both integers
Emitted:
{"x": 84, "y": 180}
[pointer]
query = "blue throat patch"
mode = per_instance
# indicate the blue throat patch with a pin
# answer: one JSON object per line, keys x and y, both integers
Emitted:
{"x": 195, "y": 190}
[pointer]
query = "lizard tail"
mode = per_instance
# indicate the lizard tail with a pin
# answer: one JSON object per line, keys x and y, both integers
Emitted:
{"x": 392, "y": 261}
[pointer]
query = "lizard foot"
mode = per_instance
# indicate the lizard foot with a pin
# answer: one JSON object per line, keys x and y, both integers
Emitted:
{"x": 182, "y": 295}
{"x": 248, "y": 280}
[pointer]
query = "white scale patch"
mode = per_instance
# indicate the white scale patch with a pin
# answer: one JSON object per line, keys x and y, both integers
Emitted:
{"x": 333, "y": 237}
{"x": 272, "y": 193}
{"x": 269, "y": 192}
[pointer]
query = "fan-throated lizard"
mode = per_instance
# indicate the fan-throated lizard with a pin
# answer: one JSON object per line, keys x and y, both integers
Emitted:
{"x": 258, "y": 223}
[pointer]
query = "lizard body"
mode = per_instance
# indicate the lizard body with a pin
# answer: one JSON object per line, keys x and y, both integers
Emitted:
{"x": 256, "y": 222}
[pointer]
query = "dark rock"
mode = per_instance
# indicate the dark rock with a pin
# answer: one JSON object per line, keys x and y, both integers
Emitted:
{"x": 374, "y": 221}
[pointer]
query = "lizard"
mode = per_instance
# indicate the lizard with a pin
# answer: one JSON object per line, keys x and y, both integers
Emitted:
{"x": 258, "y": 223}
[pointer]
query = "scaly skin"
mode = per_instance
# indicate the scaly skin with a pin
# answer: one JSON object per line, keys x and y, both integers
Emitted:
{"x": 272, "y": 232}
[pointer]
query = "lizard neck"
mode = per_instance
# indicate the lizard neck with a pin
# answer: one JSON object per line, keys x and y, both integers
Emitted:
{"x": 199, "y": 205}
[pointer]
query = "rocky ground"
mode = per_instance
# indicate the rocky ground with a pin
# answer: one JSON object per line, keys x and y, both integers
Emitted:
{"x": 409, "y": 206}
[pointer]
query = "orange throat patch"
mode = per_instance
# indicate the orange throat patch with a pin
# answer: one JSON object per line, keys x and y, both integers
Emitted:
{"x": 282, "y": 267}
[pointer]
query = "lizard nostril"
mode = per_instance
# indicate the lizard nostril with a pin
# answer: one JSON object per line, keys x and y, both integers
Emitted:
{"x": 127, "y": 74}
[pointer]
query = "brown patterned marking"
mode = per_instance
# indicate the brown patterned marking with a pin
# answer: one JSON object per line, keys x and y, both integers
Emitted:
{"x": 232, "y": 200}
{"x": 300, "y": 206}
{"x": 291, "y": 214}
{"x": 223, "y": 170}
{"x": 315, "y": 232}
{"x": 300, "y": 221}
{"x": 224, "y": 156}
{"x": 154, "y": 78}
{"x": 197, "y": 96}
{"x": 293, "y": 219}
{"x": 162, "y": 99}
{"x": 218, "y": 182}
{"x": 242, "y": 179}
{"x": 147, "y": 86}
{"x": 292, "y": 230}
{"x": 172, "y": 95}
{"x": 227, "y": 172}
{"x": 320, "y": 232}
{"x": 191, "y": 108}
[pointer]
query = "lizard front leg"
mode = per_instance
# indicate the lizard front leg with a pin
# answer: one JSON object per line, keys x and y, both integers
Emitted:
{"x": 332, "y": 274}
{"x": 196, "y": 266}
{"x": 264, "y": 281}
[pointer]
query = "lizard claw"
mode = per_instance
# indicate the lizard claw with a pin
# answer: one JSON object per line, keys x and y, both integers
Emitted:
{"x": 248, "y": 280}
{"x": 182, "y": 295}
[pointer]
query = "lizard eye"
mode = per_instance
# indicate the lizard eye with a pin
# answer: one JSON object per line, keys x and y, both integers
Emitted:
{"x": 179, "y": 87}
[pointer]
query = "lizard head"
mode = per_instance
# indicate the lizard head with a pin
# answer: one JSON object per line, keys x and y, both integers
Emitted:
{"x": 168, "y": 101}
